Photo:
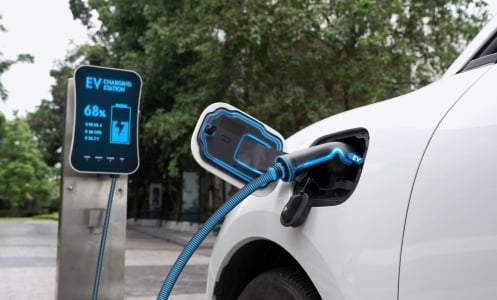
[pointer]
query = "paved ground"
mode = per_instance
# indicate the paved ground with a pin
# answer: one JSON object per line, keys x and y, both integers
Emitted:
{"x": 28, "y": 252}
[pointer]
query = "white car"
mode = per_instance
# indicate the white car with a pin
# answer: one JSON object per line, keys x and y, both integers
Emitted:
{"x": 418, "y": 220}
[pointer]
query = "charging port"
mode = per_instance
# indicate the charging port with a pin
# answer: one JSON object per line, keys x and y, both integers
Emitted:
{"x": 326, "y": 188}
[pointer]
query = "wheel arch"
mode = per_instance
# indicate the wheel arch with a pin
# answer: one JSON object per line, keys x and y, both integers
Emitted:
{"x": 247, "y": 262}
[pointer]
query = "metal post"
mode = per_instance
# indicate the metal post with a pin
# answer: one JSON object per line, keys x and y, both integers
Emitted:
{"x": 82, "y": 210}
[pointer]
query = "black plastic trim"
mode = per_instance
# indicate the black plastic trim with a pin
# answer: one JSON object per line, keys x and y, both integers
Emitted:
{"x": 481, "y": 61}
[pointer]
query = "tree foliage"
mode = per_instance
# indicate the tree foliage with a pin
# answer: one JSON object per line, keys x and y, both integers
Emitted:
{"x": 25, "y": 176}
{"x": 287, "y": 62}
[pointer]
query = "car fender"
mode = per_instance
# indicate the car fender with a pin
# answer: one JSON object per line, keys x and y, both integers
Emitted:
{"x": 352, "y": 250}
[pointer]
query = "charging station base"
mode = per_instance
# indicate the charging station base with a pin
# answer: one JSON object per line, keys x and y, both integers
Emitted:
{"x": 83, "y": 203}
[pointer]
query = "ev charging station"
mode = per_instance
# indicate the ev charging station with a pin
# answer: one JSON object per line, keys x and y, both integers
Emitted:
{"x": 100, "y": 149}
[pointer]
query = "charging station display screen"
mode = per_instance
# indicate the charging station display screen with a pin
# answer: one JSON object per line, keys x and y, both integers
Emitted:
{"x": 105, "y": 130}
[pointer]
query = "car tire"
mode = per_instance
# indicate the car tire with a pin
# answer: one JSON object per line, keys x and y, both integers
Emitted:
{"x": 283, "y": 283}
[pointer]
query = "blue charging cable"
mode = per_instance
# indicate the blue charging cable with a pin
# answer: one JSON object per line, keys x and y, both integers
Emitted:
{"x": 271, "y": 175}
{"x": 286, "y": 168}
{"x": 104, "y": 238}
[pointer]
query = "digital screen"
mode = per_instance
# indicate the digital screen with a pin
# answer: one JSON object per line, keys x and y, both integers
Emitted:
{"x": 105, "y": 129}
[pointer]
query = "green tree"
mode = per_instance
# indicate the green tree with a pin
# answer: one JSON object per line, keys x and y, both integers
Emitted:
{"x": 2, "y": 126}
{"x": 25, "y": 176}
{"x": 289, "y": 63}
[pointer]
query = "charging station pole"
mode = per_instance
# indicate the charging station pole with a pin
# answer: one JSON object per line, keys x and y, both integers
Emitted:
{"x": 100, "y": 139}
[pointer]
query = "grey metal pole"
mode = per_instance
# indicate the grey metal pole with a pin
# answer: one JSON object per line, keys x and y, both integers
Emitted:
{"x": 83, "y": 204}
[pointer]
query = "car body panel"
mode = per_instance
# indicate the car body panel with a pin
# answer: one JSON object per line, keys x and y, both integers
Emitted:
{"x": 450, "y": 244}
{"x": 352, "y": 250}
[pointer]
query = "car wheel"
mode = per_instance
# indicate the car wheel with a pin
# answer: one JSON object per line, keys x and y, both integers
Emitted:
{"x": 283, "y": 283}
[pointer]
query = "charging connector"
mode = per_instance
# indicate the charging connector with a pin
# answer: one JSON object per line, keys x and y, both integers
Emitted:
{"x": 337, "y": 154}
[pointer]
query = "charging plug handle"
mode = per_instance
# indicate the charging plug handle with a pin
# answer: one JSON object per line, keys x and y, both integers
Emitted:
{"x": 295, "y": 212}
{"x": 295, "y": 163}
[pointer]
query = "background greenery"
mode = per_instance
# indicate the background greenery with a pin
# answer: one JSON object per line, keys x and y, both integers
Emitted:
{"x": 289, "y": 63}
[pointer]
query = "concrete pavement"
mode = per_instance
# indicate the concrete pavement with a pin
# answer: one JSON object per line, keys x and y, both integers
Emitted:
{"x": 28, "y": 252}
{"x": 151, "y": 251}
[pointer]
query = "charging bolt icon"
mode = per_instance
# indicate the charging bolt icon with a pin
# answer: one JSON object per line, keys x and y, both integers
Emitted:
{"x": 120, "y": 120}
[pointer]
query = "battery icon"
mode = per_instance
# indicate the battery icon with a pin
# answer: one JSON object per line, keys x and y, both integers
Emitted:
{"x": 120, "y": 119}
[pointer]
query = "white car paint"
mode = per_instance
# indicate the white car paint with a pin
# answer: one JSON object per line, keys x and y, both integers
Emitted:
{"x": 429, "y": 170}
{"x": 450, "y": 245}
